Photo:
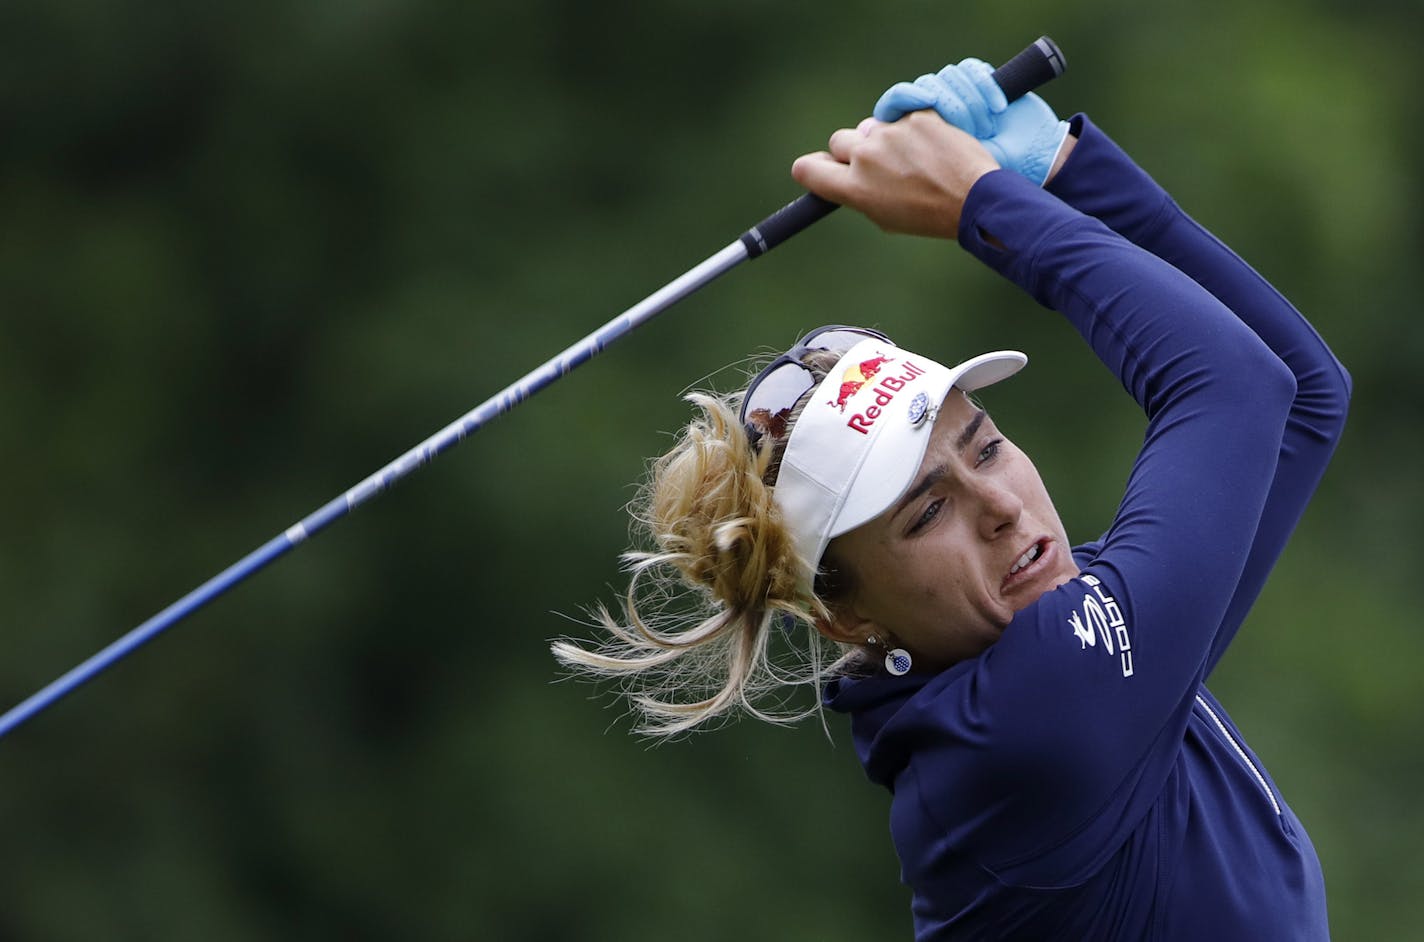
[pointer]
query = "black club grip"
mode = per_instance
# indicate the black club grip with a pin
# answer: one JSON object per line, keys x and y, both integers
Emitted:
{"x": 1037, "y": 64}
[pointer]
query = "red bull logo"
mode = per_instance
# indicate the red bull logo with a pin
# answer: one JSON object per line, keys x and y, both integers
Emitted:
{"x": 856, "y": 377}
{"x": 884, "y": 391}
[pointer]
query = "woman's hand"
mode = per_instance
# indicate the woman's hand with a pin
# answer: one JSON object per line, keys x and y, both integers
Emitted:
{"x": 911, "y": 176}
{"x": 1024, "y": 136}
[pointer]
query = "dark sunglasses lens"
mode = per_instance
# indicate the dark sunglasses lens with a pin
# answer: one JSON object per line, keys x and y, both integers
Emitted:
{"x": 776, "y": 390}
{"x": 839, "y": 339}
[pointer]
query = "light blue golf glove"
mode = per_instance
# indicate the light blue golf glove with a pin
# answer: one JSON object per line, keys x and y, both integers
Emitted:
{"x": 1024, "y": 136}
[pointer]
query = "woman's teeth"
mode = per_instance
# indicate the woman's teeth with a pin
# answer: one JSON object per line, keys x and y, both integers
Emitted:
{"x": 1029, "y": 556}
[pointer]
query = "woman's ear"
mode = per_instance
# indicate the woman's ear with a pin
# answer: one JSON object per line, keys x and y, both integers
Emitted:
{"x": 846, "y": 626}
{"x": 837, "y": 588}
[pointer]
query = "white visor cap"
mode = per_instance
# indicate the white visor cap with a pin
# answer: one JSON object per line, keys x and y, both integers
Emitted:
{"x": 863, "y": 433}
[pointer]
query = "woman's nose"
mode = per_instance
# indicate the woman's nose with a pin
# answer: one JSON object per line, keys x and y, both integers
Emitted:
{"x": 1000, "y": 508}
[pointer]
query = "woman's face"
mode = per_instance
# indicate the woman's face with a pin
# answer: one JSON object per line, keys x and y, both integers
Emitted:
{"x": 975, "y": 539}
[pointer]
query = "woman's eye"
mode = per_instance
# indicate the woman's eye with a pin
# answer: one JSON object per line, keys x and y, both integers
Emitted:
{"x": 991, "y": 451}
{"x": 930, "y": 513}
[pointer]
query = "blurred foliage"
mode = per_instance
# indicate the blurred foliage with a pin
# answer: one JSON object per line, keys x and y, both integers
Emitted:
{"x": 253, "y": 251}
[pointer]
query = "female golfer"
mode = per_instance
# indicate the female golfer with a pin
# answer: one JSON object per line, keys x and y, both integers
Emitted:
{"x": 1037, "y": 709}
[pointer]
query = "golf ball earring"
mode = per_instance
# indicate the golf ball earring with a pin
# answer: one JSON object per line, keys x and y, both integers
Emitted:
{"x": 897, "y": 660}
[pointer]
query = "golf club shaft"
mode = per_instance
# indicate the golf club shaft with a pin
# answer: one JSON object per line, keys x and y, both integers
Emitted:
{"x": 380, "y": 481}
{"x": 1030, "y": 68}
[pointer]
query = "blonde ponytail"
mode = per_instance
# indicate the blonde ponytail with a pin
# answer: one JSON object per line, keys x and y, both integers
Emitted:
{"x": 715, "y": 619}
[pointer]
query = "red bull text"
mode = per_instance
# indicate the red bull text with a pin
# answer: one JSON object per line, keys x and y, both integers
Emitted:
{"x": 884, "y": 390}
{"x": 857, "y": 376}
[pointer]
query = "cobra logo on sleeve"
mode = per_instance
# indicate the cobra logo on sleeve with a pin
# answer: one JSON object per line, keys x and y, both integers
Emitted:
{"x": 1101, "y": 620}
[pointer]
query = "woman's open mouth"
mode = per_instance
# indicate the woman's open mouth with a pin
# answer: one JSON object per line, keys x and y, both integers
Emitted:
{"x": 1027, "y": 564}
{"x": 1032, "y": 553}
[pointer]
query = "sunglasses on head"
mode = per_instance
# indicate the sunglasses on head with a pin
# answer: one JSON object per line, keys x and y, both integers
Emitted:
{"x": 772, "y": 396}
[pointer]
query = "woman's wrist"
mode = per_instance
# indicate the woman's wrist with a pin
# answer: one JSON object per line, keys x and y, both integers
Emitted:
{"x": 1070, "y": 141}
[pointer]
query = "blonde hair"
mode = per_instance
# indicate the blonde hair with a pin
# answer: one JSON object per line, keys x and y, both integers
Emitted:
{"x": 716, "y": 617}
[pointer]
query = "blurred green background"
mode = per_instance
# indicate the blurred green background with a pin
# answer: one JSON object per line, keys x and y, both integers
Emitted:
{"x": 251, "y": 252}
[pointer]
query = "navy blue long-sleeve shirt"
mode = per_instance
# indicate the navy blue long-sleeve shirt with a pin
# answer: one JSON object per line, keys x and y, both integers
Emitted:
{"x": 1076, "y": 780}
